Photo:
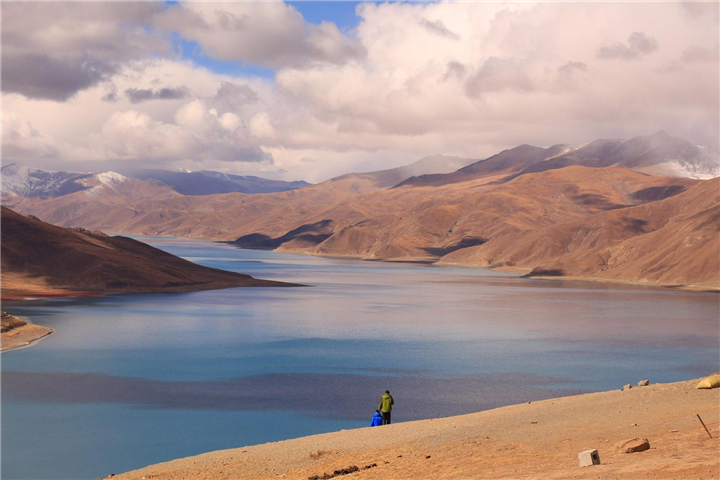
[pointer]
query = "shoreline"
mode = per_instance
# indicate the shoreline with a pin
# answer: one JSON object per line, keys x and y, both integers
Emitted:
{"x": 23, "y": 336}
{"x": 529, "y": 440}
{"x": 30, "y": 295}
{"x": 520, "y": 271}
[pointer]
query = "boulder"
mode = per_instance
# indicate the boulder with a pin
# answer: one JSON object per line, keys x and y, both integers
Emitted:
{"x": 633, "y": 445}
{"x": 643, "y": 383}
{"x": 627, "y": 387}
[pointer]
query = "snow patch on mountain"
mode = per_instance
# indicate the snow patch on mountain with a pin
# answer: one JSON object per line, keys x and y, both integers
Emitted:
{"x": 680, "y": 168}
{"x": 100, "y": 182}
{"x": 33, "y": 182}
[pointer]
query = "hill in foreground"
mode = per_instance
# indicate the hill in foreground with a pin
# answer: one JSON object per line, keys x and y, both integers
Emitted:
{"x": 40, "y": 259}
{"x": 530, "y": 440}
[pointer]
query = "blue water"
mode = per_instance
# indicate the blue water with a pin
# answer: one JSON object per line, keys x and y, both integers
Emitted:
{"x": 130, "y": 380}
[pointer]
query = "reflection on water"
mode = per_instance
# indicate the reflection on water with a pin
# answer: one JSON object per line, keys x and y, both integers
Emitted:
{"x": 136, "y": 379}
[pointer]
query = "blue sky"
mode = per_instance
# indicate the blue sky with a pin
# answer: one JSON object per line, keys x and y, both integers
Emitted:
{"x": 191, "y": 50}
{"x": 341, "y": 14}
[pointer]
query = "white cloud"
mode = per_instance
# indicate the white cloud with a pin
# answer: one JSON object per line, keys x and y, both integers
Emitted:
{"x": 464, "y": 79}
{"x": 22, "y": 139}
{"x": 197, "y": 133}
{"x": 638, "y": 46}
{"x": 266, "y": 33}
{"x": 52, "y": 50}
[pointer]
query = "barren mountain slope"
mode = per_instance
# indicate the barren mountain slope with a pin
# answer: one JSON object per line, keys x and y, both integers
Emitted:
{"x": 223, "y": 216}
{"x": 440, "y": 220}
{"x": 430, "y": 165}
{"x": 425, "y": 223}
{"x": 670, "y": 241}
{"x": 39, "y": 258}
{"x": 657, "y": 154}
{"x": 504, "y": 163}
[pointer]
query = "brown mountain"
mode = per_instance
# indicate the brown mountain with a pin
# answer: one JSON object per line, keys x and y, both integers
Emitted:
{"x": 40, "y": 259}
{"x": 427, "y": 166}
{"x": 674, "y": 241}
{"x": 427, "y": 223}
{"x": 504, "y": 163}
{"x": 657, "y": 154}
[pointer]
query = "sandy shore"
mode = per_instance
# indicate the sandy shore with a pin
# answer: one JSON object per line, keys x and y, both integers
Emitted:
{"x": 22, "y": 336}
{"x": 539, "y": 440}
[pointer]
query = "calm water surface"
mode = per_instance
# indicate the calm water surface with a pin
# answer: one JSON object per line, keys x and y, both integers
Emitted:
{"x": 130, "y": 380}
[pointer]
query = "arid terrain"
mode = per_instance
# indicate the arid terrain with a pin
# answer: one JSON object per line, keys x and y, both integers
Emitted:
{"x": 591, "y": 212}
{"x": 538, "y": 440}
{"x": 39, "y": 259}
{"x": 17, "y": 333}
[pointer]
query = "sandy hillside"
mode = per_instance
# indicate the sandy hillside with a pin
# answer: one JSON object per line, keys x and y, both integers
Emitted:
{"x": 538, "y": 440}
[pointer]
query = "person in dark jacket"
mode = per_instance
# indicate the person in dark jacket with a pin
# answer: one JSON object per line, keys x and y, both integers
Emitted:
{"x": 376, "y": 419}
{"x": 385, "y": 407}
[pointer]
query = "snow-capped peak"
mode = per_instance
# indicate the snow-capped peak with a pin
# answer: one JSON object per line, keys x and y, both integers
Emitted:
{"x": 110, "y": 178}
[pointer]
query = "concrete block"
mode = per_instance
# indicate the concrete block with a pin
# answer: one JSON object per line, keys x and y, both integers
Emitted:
{"x": 588, "y": 458}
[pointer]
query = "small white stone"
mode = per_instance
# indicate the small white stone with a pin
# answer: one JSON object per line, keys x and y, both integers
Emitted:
{"x": 588, "y": 458}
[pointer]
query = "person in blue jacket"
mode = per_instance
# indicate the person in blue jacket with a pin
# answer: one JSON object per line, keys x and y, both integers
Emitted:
{"x": 377, "y": 419}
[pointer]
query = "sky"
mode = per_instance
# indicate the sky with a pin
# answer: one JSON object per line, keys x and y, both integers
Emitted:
{"x": 311, "y": 90}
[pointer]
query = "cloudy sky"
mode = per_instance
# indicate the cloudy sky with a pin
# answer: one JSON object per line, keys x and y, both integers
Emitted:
{"x": 309, "y": 90}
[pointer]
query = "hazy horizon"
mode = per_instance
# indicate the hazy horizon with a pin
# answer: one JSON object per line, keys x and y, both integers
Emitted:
{"x": 100, "y": 165}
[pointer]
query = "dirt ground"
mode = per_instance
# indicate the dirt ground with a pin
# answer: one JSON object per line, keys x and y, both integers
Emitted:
{"x": 22, "y": 336}
{"x": 538, "y": 440}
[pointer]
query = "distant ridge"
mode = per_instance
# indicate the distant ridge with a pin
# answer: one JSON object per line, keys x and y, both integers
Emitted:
{"x": 657, "y": 154}
{"x": 507, "y": 161}
{"x": 432, "y": 164}
{"x": 209, "y": 183}
{"x": 23, "y": 181}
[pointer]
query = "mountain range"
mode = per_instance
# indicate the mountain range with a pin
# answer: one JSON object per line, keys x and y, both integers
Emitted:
{"x": 597, "y": 211}
{"x": 657, "y": 154}
{"x": 23, "y": 181}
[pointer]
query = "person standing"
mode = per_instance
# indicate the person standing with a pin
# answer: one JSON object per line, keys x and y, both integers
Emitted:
{"x": 385, "y": 407}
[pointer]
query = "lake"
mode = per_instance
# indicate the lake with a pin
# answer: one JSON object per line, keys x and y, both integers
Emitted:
{"x": 130, "y": 380}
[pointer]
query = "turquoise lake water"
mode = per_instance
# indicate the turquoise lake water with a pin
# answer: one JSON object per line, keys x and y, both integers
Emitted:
{"x": 130, "y": 380}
